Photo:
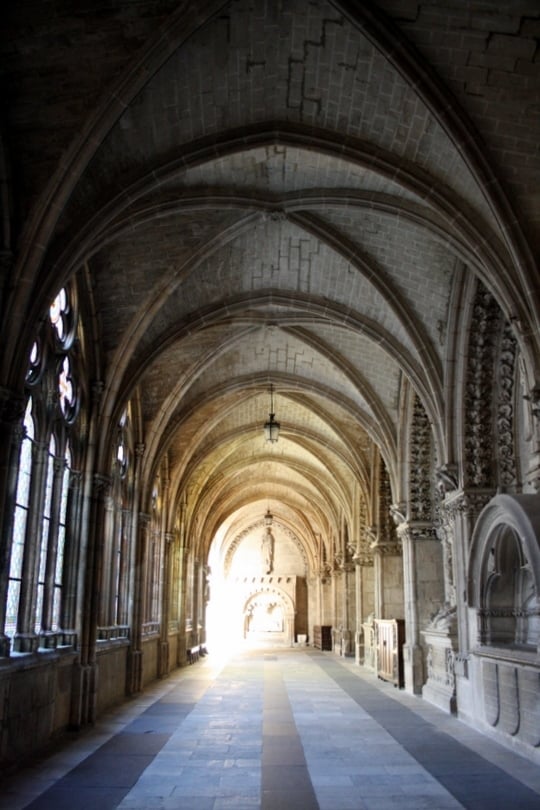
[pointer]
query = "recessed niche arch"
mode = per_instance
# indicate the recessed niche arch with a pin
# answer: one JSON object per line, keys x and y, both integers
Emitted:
{"x": 504, "y": 572}
{"x": 269, "y": 616}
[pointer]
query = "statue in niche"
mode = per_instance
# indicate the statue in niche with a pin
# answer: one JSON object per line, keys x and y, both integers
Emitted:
{"x": 267, "y": 551}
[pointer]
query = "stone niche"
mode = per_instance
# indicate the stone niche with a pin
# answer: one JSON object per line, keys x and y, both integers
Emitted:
{"x": 504, "y": 608}
{"x": 266, "y": 586}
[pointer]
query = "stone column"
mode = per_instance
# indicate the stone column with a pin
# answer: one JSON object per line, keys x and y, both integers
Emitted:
{"x": 464, "y": 508}
{"x": 388, "y": 579}
{"x": 347, "y": 648}
{"x": 135, "y": 658}
{"x": 107, "y": 528}
{"x": 422, "y": 589}
{"x": 363, "y": 562}
{"x": 68, "y": 610}
{"x": 168, "y": 551}
{"x": 338, "y": 619}
{"x": 182, "y": 584}
{"x": 440, "y": 632}
{"x": 49, "y": 638}
{"x": 87, "y": 684}
{"x": 86, "y": 577}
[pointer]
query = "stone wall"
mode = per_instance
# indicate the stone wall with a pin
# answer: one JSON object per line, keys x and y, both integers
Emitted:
{"x": 35, "y": 703}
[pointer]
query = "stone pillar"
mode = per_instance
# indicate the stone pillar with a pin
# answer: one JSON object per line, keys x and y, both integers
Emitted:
{"x": 338, "y": 619}
{"x": 363, "y": 563}
{"x": 182, "y": 585}
{"x": 93, "y": 588}
{"x": 168, "y": 551}
{"x": 48, "y": 637}
{"x": 107, "y": 527}
{"x": 135, "y": 658}
{"x": 87, "y": 578}
{"x": 387, "y": 560}
{"x": 464, "y": 508}
{"x": 422, "y": 590}
{"x": 68, "y": 614}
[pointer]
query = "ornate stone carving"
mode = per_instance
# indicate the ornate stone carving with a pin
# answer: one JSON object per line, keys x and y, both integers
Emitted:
{"x": 505, "y": 409}
{"x": 469, "y": 503}
{"x": 479, "y": 439}
{"x": 325, "y": 573}
{"x": 444, "y": 620}
{"x": 447, "y": 479}
{"x": 384, "y": 538}
{"x": 445, "y": 533}
{"x": 420, "y": 463}
{"x": 363, "y": 554}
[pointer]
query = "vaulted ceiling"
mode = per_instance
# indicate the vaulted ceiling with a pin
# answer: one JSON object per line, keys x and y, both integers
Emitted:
{"x": 258, "y": 194}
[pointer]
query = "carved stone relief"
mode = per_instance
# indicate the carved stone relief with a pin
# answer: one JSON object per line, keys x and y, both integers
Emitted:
{"x": 506, "y": 369}
{"x": 420, "y": 463}
{"x": 478, "y": 439}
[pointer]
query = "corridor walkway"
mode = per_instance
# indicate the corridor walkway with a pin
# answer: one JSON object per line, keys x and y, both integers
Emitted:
{"x": 293, "y": 729}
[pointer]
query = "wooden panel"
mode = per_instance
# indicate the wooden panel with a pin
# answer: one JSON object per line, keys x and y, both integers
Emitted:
{"x": 322, "y": 637}
{"x": 389, "y": 638}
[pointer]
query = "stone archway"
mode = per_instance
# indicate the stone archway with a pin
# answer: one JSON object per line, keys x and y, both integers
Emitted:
{"x": 504, "y": 604}
{"x": 268, "y": 616}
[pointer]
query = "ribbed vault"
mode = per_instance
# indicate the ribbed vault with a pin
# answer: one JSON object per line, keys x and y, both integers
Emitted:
{"x": 237, "y": 223}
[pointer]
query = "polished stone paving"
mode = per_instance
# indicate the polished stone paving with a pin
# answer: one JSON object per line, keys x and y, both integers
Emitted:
{"x": 289, "y": 729}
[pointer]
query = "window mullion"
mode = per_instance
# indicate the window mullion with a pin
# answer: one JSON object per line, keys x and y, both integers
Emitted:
{"x": 52, "y": 548}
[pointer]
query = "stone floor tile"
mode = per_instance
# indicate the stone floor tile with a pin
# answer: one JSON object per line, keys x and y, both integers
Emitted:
{"x": 298, "y": 730}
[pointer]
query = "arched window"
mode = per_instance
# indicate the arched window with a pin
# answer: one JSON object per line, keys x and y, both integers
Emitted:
{"x": 34, "y": 596}
{"x": 114, "y": 606}
{"x": 153, "y": 563}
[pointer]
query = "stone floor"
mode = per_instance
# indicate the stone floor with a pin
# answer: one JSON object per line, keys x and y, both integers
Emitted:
{"x": 272, "y": 729}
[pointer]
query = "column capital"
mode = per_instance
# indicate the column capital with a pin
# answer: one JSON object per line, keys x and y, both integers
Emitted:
{"x": 468, "y": 502}
{"x": 416, "y": 530}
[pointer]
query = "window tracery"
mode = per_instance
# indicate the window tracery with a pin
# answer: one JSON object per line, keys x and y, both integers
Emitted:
{"x": 114, "y": 613}
{"x": 34, "y": 590}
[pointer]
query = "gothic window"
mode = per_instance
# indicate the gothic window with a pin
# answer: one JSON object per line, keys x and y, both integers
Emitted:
{"x": 34, "y": 597}
{"x": 116, "y": 562}
{"x": 152, "y": 566}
